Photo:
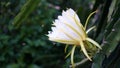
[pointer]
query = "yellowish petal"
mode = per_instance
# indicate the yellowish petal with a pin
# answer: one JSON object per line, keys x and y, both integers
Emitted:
{"x": 68, "y": 54}
{"x": 72, "y": 55}
{"x": 90, "y": 29}
{"x": 84, "y": 51}
{"x": 93, "y": 42}
{"x": 66, "y": 48}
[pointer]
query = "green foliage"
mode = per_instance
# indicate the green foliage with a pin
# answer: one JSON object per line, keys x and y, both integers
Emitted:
{"x": 28, "y": 46}
{"x": 25, "y": 12}
{"x": 111, "y": 40}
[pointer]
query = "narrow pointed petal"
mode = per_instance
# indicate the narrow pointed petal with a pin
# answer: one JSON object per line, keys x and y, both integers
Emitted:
{"x": 72, "y": 55}
{"x": 66, "y": 48}
{"x": 84, "y": 51}
{"x": 93, "y": 42}
{"x": 68, "y": 54}
{"x": 90, "y": 29}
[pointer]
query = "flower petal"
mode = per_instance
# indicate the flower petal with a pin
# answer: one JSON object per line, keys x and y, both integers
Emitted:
{"x": 58, "y": 36}
{"x": 72, "y": 55}
{"x": 85, "y": 51}
{"x": 70, "y": 17}
{"x": 93, "y": 42}
{"x": 67, "y": 28}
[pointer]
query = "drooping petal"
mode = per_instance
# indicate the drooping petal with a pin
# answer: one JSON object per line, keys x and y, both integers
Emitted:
{"x": 72, "y": 55}
{"x": 66, "y": 48}
{"x": 85, "y": 51}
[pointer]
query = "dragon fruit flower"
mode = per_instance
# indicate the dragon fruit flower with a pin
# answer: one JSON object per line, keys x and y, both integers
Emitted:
{"x": 67, "y": 29}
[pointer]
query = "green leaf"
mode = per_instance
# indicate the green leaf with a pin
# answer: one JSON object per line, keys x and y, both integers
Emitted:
{"x": 25, "y": 11}
{"x": 111, "y": 42}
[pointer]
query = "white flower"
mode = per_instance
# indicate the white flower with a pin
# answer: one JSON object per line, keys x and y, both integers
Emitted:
{"x": 68, "y": 29}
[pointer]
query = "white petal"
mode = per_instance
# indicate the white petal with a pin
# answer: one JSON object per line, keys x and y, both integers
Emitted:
{"x": 71, "y": 18}
{"x": 73, "y": 14}
{"x": 58, "y": 36}
{"x": 67, "y": 28}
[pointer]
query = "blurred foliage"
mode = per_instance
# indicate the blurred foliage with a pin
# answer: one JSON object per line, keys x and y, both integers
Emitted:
{"x": 27, "y": 46}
